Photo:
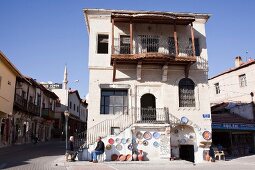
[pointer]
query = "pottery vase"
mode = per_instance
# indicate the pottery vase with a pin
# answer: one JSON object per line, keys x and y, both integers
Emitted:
{"x": 140, "y": 155}
{"x": 134, "y": 157}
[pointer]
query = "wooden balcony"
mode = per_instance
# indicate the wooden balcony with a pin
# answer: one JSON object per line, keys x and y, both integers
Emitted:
{"x": 153, "y": 50}
{"x": 48, "y": 113}
{"x": 33, "y": 109}
{"x": 20, "y": 102}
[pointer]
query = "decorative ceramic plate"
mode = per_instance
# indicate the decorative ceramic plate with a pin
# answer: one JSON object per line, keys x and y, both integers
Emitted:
{"x": 129, "y": 157}
{"x": 111, "y": 141}
{"x": 117, "y": 140}
{"x": 184, "y": 120}
{"x": 108, "y": 147}
{"x": 128, "y": 140}
{"x": 147, "y": 135}
{"x": 122, "y": 157}
{"x": 145, "y": 143}
{"x": 207, "y": 135}
{"x": 139, "y": 142}
{"x": 139, "y": 135}
{"x": 156, "y": 135}
{"x": 114, "y": 157}
{"x": 119, "y": 147}
{"x": 156, "y": 144}
{"x": 123, "y": 141}
{"x": 130, "y": 147}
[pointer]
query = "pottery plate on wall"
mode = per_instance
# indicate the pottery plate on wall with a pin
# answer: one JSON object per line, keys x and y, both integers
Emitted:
{"x": 108, "y": 147}
{"x": 145, "y": 143}
{"x": 119, "y": 147}
{"x": 117, "y": 140}
{"x": 139, "y": 135}
{"x": 147, "y": 135}
{"x": 111, "y": 141}
{"x": 156, "y": 135}
{"x": 156, "y": 144}
{"x": 130, "y": 147}
{"x": 123, "y": 141}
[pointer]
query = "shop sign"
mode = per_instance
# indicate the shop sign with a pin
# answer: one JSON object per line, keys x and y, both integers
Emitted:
{"x": 207, "y": 116}
{"x": 235, "y": 126}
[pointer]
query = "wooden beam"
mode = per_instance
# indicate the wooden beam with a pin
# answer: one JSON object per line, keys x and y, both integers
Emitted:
{"x": 112, "y": 35}
{"x": 193, "y": 40}
{"x": 186, "y": 70}
{"x": 131, "y": 36}
{"x": 175, "y": 41}
{"x": 114, "y": 71}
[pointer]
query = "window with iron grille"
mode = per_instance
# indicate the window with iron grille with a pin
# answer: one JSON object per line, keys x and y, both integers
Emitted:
{"x": 186, "y": 93}
{"x": 242, "y": 80}
{"x": 217, "y": 88}
{"x": 124, "y": 44}
{"x": 150, "y": 43}
{"x": 114, "y": 101}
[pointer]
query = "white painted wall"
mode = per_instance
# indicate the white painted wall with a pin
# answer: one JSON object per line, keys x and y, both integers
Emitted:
{"x": 230, "y": 90}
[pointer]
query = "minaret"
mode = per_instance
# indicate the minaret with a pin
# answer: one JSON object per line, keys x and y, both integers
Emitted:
{"x": 65, "y": 79}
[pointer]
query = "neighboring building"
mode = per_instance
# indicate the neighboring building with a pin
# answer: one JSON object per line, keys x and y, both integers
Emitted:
{"x": 233, "y": 109}
{"x": 8, "y": 74}
{"x": 69, "y": 100}
{"x": 33, "y": 111}
{"x": 148, "y": 82}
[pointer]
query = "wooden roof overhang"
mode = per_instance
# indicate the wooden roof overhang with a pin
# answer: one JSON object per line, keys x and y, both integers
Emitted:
{"x": 151, "y": 58}
{"x": 155, "y": 18}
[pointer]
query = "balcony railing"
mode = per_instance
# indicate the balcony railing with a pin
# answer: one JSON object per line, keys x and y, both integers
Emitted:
{"x": 20, "y": 101}
{"x": 153, "y": 44}
{"x": 34, "y": 109}
{"x": 151, "y": 115}
{"x": 47, "y": 113}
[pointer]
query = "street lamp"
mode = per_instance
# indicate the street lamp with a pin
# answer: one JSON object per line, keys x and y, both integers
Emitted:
{"x": 67, "y": 114}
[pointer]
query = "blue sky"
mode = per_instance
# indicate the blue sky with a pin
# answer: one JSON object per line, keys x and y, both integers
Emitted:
{"x": 41, "y": 36}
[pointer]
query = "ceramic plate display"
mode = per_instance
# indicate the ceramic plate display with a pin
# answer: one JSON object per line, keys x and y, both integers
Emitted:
{"x": 114, "y": 157}
{"x": 117, "y": 140}
{"x": 139, "y": 135}
{"x": 128, "y": 140}
{"x": 207, "y": 135}
{"x": 122, "y": 157}
{"x": 156, "y": 135}
{"x": 145, "y": 143}
{"x": 123, "y": 141}
{"x": 111, "y": 141}
{"x": 119, "y": 147}
{"x": 129, "y": 157}
{"x": 147, "y": 135}
{"x": 184, "y": 120}
{"x": 108, "y": 147}
{"x": 156, "y": 144}
{"x": 130, "y": 147}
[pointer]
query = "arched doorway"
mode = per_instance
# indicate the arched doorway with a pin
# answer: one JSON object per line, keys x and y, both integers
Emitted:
{"x": 148, "y": 107}
{"x": 183, "y": 142}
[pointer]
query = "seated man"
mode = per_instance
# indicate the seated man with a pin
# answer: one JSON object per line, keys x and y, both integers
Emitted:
{"x": 98, "y": 150}
{"x": 70, "y": 149}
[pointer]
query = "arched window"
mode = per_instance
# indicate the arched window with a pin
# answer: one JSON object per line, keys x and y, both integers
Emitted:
{"x": 186, "y": 93}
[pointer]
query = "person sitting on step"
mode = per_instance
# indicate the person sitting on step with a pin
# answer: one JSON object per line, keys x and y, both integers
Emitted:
{"x": 98, "y": 150}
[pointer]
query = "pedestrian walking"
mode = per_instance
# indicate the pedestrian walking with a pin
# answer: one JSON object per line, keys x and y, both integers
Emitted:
{"x": 211, "y": 154}
{"x": 70, "y": 149}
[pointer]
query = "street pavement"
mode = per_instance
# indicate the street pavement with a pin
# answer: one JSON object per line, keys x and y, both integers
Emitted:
{"x": 50, "y": 155}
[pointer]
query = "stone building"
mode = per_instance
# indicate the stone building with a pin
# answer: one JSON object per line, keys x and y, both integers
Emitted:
{"x": 148, "y": 83}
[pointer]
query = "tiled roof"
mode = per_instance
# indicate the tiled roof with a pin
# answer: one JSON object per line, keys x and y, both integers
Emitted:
{"x": 250, "y": 62}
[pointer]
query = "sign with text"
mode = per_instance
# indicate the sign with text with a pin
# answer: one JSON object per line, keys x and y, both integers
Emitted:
{"x": 53, "y": 86}
{"x": 233, "y": 126}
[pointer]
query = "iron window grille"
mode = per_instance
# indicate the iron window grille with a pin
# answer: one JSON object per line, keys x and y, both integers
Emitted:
{"x": 186, "y": 93}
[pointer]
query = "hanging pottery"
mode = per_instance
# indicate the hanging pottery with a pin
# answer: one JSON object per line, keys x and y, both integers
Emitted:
{"x": 119, "y": 147}
{"x": 108, "y": 147}
{"x": 111, "y": 141}
{"x": 139, "y": 135}
{"x": 156, "y": 144}
{"x": 156, "y": 135}
{"x": 123, "y": 141}
{"x": 145, "y": 143}
{"x": 147, "y": 135}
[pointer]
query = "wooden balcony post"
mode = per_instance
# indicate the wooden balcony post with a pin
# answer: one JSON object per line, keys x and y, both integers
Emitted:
{"x": 193, "y": 40}
{"x": 114, "y": 71}
{"x": 112, "y": 35}
{"x": 131, "y": 36}
{"x": 175, "y": 41}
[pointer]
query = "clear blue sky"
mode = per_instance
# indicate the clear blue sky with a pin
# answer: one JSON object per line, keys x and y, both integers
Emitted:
{"x": 40, "y": 36}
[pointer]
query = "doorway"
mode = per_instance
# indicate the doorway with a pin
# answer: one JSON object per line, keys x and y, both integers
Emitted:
{"x": 148, "y": 107}
{"x": 187, "y": 152}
